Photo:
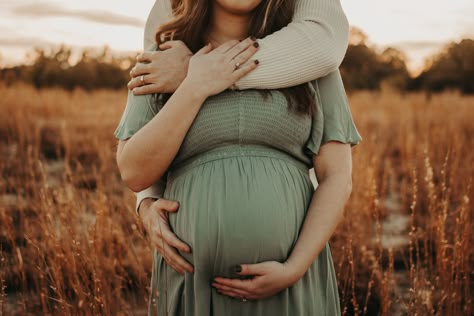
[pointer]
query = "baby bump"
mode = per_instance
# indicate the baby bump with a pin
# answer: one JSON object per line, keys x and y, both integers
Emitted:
{"x": 239, "y": 210}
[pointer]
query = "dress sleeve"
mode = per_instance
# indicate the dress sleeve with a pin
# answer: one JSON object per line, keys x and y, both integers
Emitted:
{"x": 139, "y": 110}
{"x": 332, "y": 120}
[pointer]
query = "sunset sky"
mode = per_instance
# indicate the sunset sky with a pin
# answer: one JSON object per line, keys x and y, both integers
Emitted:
{"x": 418, "y": 27}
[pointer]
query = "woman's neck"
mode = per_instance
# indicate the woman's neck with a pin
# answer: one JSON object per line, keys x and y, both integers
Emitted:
{"x": 226, "y": 26}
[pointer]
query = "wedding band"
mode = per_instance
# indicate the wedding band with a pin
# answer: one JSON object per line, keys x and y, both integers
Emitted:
{"x": 237, "y": 65}
{"x": 244, "y": 299}
{"x": 142, "y": 79}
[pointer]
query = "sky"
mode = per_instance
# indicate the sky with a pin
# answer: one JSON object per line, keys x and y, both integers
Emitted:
{"x": 418, "y": 27}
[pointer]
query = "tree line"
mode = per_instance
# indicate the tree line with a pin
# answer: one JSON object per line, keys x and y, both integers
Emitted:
{"x": 365, "y": 67}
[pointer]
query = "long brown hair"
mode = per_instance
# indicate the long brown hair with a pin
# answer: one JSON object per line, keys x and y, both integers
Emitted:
{"x": 192, "y": 19}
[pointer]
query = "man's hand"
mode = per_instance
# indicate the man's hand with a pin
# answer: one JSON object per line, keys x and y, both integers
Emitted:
{"x": 154, "y": 216}
{"x": 160, "y": 71}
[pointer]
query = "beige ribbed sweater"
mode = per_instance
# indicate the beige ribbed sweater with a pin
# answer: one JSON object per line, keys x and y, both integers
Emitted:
{"x": 311, "y": 46}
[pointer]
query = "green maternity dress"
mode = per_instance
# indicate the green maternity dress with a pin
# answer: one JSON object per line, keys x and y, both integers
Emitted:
{"x": 241, "y": 178}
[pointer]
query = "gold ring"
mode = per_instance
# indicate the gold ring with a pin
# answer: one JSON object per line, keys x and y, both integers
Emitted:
{"x": 142, "y": 79}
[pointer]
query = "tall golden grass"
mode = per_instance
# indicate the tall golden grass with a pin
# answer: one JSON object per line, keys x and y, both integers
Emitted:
{"x": 71, "y": 245}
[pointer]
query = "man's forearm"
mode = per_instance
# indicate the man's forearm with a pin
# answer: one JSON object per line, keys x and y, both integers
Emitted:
{"x": 310, "y": 47}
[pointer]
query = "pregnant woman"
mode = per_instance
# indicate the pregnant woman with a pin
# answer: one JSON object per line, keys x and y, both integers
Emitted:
{"x": 237, "y": 162}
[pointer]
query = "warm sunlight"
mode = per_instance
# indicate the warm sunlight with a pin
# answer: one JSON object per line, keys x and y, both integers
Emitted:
{"x": 306, "y": 173}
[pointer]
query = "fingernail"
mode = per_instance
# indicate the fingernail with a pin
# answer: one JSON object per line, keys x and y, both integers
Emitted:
{"x": 256, "y": 44}
{"x": 256, "y": 61}
{"x": 253, "y": 38}
{"x": 238, "y": 268}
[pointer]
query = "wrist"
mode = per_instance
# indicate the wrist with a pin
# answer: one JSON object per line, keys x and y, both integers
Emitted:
{"x": 295, "y": 271}
{"x": 193, "y": 89}
{"x": 145, "y": 206}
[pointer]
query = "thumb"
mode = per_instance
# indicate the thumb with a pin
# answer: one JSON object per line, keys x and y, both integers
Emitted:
{"x": 167, "y": 205}
{"x": 253, "y": 269}
{"x": 206, "y": 49}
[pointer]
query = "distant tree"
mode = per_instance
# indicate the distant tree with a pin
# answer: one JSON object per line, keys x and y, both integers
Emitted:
{"x": 357, "y": 36}
{"x": 48, "y": 68}
{"x": 452, "y": 68}
{"x": 360, "y": 68}
{"x": 393, "y": 68}
{"x": 94, "y": 69}
{"x": 365, "y": 68}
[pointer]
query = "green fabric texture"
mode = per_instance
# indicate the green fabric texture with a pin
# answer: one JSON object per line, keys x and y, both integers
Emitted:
{"x": 241, "y": 177}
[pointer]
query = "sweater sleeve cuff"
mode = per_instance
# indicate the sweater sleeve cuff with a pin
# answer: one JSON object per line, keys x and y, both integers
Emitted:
{"x": 155, "y": 192}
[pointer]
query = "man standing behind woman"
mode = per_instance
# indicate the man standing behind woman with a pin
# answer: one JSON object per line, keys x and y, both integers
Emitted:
{"x": 311, "y": 46}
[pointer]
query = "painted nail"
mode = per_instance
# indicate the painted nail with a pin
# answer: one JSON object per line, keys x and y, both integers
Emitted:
{"x": 256, "y": 61}
{"x": 256, "y": 44}
{"x": 253, "y": 38}
{"x": 238, "y": 268}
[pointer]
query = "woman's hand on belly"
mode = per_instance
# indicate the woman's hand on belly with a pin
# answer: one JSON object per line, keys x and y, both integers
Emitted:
{"x": 269, "y": 278}
{"x": 154, "y": 216}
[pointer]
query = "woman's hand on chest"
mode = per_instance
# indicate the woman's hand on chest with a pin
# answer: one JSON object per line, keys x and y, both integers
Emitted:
{"x": 212, "y": 71}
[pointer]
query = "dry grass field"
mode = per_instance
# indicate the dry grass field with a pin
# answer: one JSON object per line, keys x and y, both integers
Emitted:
{"x": 71, "y": 245}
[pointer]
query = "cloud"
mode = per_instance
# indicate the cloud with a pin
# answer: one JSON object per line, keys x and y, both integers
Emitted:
{"x": 38, "y": 10}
